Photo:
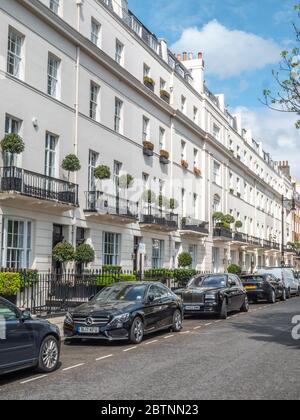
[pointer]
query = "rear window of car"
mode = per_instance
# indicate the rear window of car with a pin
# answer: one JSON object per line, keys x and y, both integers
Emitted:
{"x": 252, "y": 278}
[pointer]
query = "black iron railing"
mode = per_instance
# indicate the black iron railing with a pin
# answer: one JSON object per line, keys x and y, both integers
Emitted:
{"x": 240, "y": 237}
{"x": 101, "y": 202}
{"x": 155, "y": 216}
{"x": 222, "y": 233}
{"x": 191, "y": 224}
{"x": 32, "y": 184}
{"x": 253, "y": 240}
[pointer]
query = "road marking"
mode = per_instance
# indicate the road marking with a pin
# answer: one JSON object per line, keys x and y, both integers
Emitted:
{"x": 184, "y": 332}
{"x": 220, "y": 320}
{"x": 197, "y": 328}
{"x": 169, "y": 336}
{"x": 151, "y": 342}
{"x": 73, "y": 367}
{"x": 104, "y": 357}
{"x": 207, "y": 325}
{"x": 130, "y": 348}
{"x": 33, "y": 379}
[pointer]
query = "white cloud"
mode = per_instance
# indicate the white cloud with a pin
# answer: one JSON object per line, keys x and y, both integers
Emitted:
{"x": 277, "y": 132}
{"x": 228, "y": 52}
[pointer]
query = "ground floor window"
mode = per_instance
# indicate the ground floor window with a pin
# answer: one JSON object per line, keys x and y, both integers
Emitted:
{"x": 111, "y": 248}
{"x": 17, "y": 243}
{"x": 216, "y": 259}
{"x": 157, "y": 253}
{"x": 193, "y": 254}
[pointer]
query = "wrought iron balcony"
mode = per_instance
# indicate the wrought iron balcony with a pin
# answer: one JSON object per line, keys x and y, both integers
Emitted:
{"x": 254, "y": 241}
{"x": 194, "y": 226}
{"x": 33, "y": 185}
{"x": 110, "y": 206}
{"x": 222, "y": 234}
{"x": 240, "y": 237}
{"x": 267, "y": 244}
{"x": 158, "y": 219}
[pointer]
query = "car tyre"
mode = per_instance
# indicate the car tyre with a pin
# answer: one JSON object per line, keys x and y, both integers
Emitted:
{"x": 49, "y": 355}
{"x": 224, "y": 310}
{"x": 136, "y": 333}
{"x": 283, "y": 297}
{"x": 288, "y": 294}
{"x": 245, "y": 306}
{"x": 272, "y": 297}
{"x": 177, "y": 321}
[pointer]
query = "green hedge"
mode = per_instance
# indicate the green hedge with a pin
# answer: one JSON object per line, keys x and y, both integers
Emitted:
{"x": 181, "y": 275}
{"x": 10, "y": 284}
{"x": 114, "y": 269}
{"x": 28, "y": 278}
{"x": 107, "y": 280}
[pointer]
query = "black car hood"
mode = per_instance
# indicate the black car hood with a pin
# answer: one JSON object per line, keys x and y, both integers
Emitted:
{"x": 105, "y": 309}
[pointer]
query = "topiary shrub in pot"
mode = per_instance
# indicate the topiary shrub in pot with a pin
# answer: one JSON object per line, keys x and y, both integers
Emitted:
{"x": 234, "y": 269}
{"x": 185, "y": 260}
{"x": 149, "y": 197}
{"x": 126, "y": 181}
{"x": 63, "y": 253}
{"x": 238, "y": 224}
{"x": 10, "y": 285}
{"x": 84, "y": 254}
{"x": 12, "y": 144}
{"x": 71, "y": 163}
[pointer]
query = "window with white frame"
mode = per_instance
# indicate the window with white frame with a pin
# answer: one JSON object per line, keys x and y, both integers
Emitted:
{"x": 162, "y": 138}
{"x": 93, "y": 160}
{"x": 183, "y": 150}
{"x": 147, "y": 71}
{"x": 217, "y": 173}
{"x": 183, "y": 104}
{"x": 55, "y": 6}
{"x": 95, "y": 32}
{"x": 119, "y": 55}
{"x": 193, "y": 250}
{"x": 196, "y": 115}
{"x": 14, "y": 53}
{"x": 196, "y": 158}
{"x": 146, "y": 128}
{"x": 50, "y": 155}
{"x": 216, "y": 203}
{"x": 12, "y": 125}
{"x": 111, "y": 248}
{"x": 216, "y": 131}
{"x": 17, "y": 243}
{"x": 118, "y": 115}
{"x": 94, "y": 101}
{"x": 195, "y": 206}
{"x": 136, "y": 26}
{"x": 157, "y": 253}
{"x": 163, "y": 84}
{"x": 183, "y": 202}
{"x": 53, "y": 76}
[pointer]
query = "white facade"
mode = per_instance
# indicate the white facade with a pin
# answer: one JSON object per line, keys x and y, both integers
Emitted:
{"x": 72, "y": 81}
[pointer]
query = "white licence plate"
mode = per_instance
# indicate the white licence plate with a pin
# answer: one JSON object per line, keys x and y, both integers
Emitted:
{"x": 192, "y": 308}
{"x": 88, "y": 330}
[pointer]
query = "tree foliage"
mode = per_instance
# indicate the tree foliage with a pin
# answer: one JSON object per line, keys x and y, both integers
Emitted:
{"x": 287, "y": 78}
{"x": 185, "y": 260}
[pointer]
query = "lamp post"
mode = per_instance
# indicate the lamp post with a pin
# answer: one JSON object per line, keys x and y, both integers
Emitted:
{"x": 292, "y": 204}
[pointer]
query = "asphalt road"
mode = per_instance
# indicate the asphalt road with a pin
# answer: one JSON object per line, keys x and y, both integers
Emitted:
{"x": 248, "y": 356}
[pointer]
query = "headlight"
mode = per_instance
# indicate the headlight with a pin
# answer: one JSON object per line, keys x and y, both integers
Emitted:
{"x": 69, "y": 318}
{"x": 210, "y": 296}
{"x": 119, "y": 320}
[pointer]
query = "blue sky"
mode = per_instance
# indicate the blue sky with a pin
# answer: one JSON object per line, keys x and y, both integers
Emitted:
{"x": 241, "y": 41}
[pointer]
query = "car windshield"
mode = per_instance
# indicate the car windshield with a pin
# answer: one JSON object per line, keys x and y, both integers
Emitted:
{"x": 121, "y": 293}
{"x": 214, "y": 281}
{"x": 195, "y": 282}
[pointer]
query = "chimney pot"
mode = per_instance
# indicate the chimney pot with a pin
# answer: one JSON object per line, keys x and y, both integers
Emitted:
{"x": 179, "y": 56}
{"x": 200, "y": 55}
{"x": 191, "y": 56}
{"x": 184, "y": 56}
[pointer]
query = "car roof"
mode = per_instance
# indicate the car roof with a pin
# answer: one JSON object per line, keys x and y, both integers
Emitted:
{"x": 255, "y": 275}
{"x": 134, "y": 283}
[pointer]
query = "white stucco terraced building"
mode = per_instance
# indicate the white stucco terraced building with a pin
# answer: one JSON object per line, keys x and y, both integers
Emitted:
{"x": 77, "y": 76}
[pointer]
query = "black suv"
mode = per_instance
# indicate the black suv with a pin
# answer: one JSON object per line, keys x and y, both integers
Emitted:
{"x": 26, "y": 342}
{"x": 125, "y": 311}
{"x": 214, "y": 294}
{"x": 264, "y": 287}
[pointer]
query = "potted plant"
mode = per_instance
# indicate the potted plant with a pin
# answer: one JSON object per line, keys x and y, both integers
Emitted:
{"x": 84, "y": 255}
{"x": 149, "y": 197}
{"x": 184, "y": 164}
{"x": 165, "y": 95}
{"x": 63, "y": 253}
{"x": 149, "y": 82}
{"x": 173, "y": 204}
{"x": 231, "y": 190}
{"x": 227, "y": 221}
{"x": 197, "y": 171}
{"x": 185, "y": 260}
{"x": 10, "y": 285}
{"x": 126, "y": 181}
{"x": 12, "y": 144}
{"x": 238, "y": 224}
{"x": 102, "y": 172}
{"x": 164, "y": 157}
{"x": 234, "y": 269}
{"x": 148, "y": 148}
{"x": 218, "y": 218}
{"x": 70, "y": 164}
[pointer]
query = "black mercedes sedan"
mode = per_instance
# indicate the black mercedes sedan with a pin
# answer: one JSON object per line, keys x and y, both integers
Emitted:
{"x": 26, "y": 342}
{"x": 125, "y": 311}
{"x": 214, "y": 294}
{"x": 264, "y": 287}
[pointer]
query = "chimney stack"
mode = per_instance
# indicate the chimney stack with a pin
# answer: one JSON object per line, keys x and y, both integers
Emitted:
{"x": 191, "y": 56}
{"x": 200, "y": 56}
{"x": 285, "y": 168}
{"x": 179, "y": 57}
{"x": 184, "y": 56}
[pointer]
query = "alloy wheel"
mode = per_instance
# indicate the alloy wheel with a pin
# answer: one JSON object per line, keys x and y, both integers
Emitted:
{"x": 138, "y": 330}
{"x": 177, "y": 321}
{"x": 50, "y": 354}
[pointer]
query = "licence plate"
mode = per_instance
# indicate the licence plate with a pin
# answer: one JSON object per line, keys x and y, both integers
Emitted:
{"x": 88, "y": 330}
{"x": 250, "y": 287}
{"x": 192, "y": 308}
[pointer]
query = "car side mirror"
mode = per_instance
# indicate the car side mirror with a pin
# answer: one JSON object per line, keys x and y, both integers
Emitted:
{"x": 91, "y": 297}
{"x": 151, "y": 298}
{"x": 232, "y": 283}
{"x": 26, "y": 315}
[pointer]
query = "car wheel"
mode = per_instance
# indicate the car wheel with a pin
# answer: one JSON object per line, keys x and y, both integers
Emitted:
{"x": 245, "y": 307}
{"x": 272, "y": 297}
{"x": 49, "y": 355}
{"x": 177, "y": 321}
{"x": 283, "y": 297}
{"x": 224, "y": 310}
{"x": 136, "y": 331}
{"x": 288, "y": 294}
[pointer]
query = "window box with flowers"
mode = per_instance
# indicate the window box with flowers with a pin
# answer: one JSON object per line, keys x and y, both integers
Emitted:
{"x": 164, "y": 157}
{"x": 165, "y": 95}
{"x": 149, "y": 83}
{"x": 184, "y": 164}
{"x": 197, "y": 171}
{"x": 148, "y": 148}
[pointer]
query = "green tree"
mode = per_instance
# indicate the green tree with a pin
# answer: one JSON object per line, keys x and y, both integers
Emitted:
{"x": 84, "y": 254}
{"x": 286, "y": 98}
{"x": 12, "y": 144}
{"x": 71, "y": 163}
{"x": 185, "y": 260}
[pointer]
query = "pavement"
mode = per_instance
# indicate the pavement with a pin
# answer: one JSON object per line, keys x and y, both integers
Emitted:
{"x": 248, "y": 356}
